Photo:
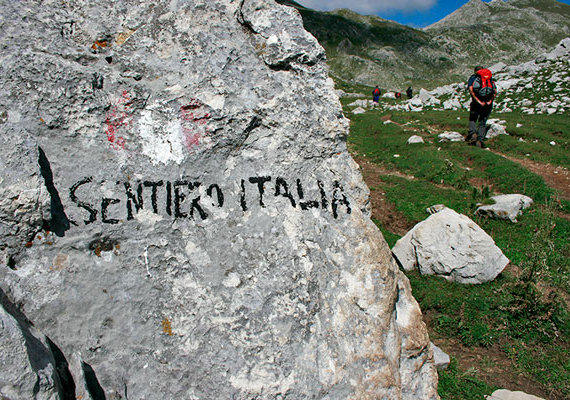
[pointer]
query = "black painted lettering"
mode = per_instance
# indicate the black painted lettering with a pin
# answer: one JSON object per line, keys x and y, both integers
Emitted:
{"x": 179, "y": 198}
{"x": 104, "y": 204}
{"x": 339, "y": 198}
{"x": 153, "y": 200}
{"x": 242, "y": 201}
{"x": 82, "y": 204}
{"x": 260, "y": 180}
{"x": 282, "y": 189}
{"x": 169, "y": 198}
{"x": 324, "y": 202}
{"x": 196, "y": 202}
{"x": 219, "y": 194}
{"x": 305, "y": 205}
{"x": 138, "y": 200}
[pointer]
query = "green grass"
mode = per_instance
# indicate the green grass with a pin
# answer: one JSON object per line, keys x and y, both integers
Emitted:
{"x": 455, "y": 384}
{"x": 508, "y": 311}
{"x": 523, "y": 314}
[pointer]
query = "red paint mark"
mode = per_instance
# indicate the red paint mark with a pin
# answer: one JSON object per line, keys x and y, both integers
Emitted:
{"x": 194, "y": 120}
{"x": 116, "y": 119}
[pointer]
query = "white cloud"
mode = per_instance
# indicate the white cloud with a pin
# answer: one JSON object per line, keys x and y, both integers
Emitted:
{"x": 370, "y": 7}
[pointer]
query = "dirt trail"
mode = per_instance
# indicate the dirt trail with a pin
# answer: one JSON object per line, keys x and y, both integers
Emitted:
{"x": 382, "y": 210}
{"x": 556, "y": 177}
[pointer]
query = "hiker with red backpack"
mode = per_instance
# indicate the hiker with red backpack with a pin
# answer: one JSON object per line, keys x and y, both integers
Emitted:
{"x": 376, "y": 95}
{"x": 482, "y": 88}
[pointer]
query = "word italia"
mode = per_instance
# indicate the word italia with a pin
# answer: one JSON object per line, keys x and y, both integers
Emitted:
{"x": 184, "y": 199}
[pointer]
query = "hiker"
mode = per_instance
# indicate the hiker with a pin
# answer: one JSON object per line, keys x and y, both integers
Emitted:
{"x": 409, "y": 92}
{"x": 398, "y": 95}
{"x": 376, "y": 95}
{"x": 483, "y": 91}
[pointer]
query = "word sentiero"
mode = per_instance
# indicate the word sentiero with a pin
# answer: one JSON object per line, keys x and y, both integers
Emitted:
{"x": 186, "y": 198}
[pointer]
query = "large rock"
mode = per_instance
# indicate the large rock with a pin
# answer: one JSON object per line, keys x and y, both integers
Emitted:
{"x": 183, "y": 217}
{"x": 450, "y": 245}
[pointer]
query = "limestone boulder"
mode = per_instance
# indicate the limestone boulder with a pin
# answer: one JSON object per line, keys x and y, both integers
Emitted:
{"x": 506, "y": 206}
{"x": 180, "y": 213}
{"x": 450, "y": 137}
{"x": 450, "y": 245}
{"x": 415, "y": 139}
{"x": 495, "y": 128}
{"x": 504, "y": 394}
{"x": 441, "y": 358}
{"x": 452, "y": 104}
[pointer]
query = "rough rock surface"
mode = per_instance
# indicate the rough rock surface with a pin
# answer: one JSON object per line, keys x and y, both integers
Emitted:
{"x": 29, "y": 369}
{"x": 450, "y": 245}
{"x": 507, "y": 206}
{"x": 180, "y": 212}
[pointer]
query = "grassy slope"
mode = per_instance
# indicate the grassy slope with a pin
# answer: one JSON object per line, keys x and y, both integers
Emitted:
{"x": 514, "y": 314}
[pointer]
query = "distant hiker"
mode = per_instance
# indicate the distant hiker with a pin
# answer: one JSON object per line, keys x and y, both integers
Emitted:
{"x": 409, "y": 92}
{"x": 376, "y": 95}
{"x": 398, "y": 95}
{"x": 482, "y": 88}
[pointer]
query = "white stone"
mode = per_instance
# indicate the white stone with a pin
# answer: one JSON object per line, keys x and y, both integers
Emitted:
{"x": 504, "y": 394}
{"x": 441, "y": 358}
{"x": 450, "y": 245}
{"x": 495, "y": 129}
{"x": 451, "y": 137}
{"x": 358, "y": 110}
{"x": 415, "y": 139}
{"x": 507, "y": 206}
{"x": 451, "y": 104}
{"x": 416, "y": 102}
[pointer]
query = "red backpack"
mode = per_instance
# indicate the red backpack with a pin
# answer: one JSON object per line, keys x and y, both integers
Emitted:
{"x": 484, "y": 86}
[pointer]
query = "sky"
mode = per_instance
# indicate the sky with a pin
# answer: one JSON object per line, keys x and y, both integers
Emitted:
{"x": 416, "y": 13}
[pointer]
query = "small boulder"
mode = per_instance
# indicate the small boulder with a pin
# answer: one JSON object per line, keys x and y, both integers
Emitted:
{"x": 416, "y": 102}
{"x": 415, "y": 139}
{"x": 504, "y": 394}
{"x": 440, "y": 358}
{"x": 507, "y": 206}
{"x": 495, "y": 128}
{"x": 435, "y": 208}
{"x": 453, "y": 246}
{"x": 451, "y": 137}
{"x": 452, "y": 104}
{"x": 358, "y": 110}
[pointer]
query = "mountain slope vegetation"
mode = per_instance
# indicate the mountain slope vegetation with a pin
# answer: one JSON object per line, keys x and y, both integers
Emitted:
{"x": 369, "y": 50}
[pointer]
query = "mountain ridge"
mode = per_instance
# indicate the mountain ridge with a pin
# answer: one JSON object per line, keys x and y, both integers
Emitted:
{"x": 369, "y": 50}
